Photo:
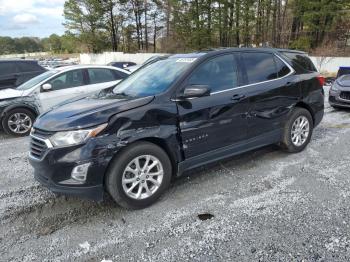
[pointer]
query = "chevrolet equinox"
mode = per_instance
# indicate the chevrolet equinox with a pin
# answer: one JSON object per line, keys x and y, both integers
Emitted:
{"x": 174, "y": 115}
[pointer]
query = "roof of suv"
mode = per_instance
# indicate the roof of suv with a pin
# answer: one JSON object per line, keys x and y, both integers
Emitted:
{"x": 225, "y": 50}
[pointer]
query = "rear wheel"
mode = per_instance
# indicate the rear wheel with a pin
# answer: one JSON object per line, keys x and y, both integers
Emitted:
{"x": 18, "y": 122}
{"x": 297, "y": 131}
{"x": 139, "y": 175}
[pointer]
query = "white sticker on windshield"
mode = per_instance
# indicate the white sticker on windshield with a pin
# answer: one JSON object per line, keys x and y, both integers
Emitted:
{"x": 185, "y": 60}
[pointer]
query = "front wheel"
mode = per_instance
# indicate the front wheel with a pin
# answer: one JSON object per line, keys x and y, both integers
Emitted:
{"x": 18, "y": 122}
{"x": 139, "y": 175}
{"x": 297, "y": 131}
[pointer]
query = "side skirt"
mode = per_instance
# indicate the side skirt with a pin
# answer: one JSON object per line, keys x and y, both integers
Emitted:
{"x": 232, "y": 150}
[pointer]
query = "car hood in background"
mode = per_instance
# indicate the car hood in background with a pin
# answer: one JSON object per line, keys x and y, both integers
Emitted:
{"x": 86, "y": 112}
{"x": 10, "y": 93}
{"x": 344, "y": 82}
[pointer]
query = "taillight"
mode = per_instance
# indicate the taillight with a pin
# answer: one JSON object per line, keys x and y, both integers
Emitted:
{"x": 321, "y": 80}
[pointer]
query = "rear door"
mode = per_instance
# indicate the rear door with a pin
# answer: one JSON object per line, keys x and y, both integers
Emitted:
{"x": 215, "y": 121}
{"x": 65, "y": 86}
{"x": 8, "y": 75}
{"x": 272, "y": 88}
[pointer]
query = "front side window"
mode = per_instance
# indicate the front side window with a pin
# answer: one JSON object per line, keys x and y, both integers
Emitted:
{"x": 219, "y": 73}
{"x": 67, "y": 80}
{"x": 100, "y": 75}
{"x": 260, "y": 67}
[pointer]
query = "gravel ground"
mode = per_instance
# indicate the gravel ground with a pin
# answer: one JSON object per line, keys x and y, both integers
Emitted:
{"x": 266, "y": 205}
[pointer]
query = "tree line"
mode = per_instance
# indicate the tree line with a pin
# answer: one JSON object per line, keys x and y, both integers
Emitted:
{"x": 186, "y": 25}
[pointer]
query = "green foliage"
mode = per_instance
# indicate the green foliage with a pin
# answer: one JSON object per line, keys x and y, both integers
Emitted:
{"x": 302, "y": 43}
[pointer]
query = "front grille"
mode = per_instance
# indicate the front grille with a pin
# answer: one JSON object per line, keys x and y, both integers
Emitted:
{"x": 345, "y": 95}
{"x": 37, "y": 148}
{"x": 41, "y": 133}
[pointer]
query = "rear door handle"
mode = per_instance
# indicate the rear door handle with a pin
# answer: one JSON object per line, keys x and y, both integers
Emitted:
{"x": 237, "y": 97}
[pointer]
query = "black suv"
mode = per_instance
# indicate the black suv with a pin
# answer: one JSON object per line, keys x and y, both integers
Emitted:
{"x": 15, "y": 72}
{"x": 174, "y": 115}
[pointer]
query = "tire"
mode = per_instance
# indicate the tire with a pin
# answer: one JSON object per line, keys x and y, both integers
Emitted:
{"x": 287, "y": 142}
{"x": 24, "y": 115}
{"x": 117, "y": 173}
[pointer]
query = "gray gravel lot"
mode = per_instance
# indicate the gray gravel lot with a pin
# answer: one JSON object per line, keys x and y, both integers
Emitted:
{"x": 267, "y": 206}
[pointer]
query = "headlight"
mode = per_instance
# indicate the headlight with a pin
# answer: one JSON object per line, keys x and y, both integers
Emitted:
{"x": 335, "y": 87}
{"x": 76, "y": 136}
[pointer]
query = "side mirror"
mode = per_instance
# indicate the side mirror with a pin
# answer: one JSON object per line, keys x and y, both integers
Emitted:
{"x": 193, "y": 91}
{"x": 46, "y": 87}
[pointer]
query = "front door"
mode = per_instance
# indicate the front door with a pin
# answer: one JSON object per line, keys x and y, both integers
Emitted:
{"x": 215, "y": 121}
{"x": 64, "y": 86}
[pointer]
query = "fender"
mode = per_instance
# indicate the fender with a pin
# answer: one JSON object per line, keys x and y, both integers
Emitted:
{"x": 20, "y": 102}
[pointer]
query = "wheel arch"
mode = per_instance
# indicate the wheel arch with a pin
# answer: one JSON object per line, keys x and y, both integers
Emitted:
{"x": 19, "y": 106}
{"x": 308, "y": 108}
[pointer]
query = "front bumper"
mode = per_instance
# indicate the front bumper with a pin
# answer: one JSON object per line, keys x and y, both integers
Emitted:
{"x": 335, "y": 100}
{"x": 91, "y": 192}
{"x": 55, "y": 168}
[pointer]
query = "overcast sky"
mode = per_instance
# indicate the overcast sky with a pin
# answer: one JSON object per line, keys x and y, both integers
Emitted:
{"x": 39, "y": 18}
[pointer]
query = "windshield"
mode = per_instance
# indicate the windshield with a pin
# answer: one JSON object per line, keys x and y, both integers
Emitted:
{"x": 152, "y": 79}
{"x": 36, "y": 80}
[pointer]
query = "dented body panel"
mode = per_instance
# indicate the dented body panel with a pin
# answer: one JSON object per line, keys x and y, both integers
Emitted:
{"x": 192, "y": 132}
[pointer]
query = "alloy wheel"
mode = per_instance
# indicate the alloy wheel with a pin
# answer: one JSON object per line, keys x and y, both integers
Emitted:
{"x": 300, "y": 131}
{"x": 142, "y": 177}
{"x": 19, "y": 123}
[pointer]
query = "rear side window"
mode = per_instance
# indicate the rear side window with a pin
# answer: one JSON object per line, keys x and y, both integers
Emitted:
{"x": 260, "y": 67}
{"x": 28, "y": 67}
{"x": 100, "y": 75}
{"x": 219, "y": 73}
{"x": 282, "y": 68}
{"x": 301, "y": 62}
{"x": 119, "y": 75}
{"x": 7, "y": 68}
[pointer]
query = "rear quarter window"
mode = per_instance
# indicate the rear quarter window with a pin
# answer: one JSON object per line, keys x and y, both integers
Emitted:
{"x": 300, "y": 62}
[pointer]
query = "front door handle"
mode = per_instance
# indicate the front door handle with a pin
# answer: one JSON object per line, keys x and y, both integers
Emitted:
{"x": 237, "y": 97}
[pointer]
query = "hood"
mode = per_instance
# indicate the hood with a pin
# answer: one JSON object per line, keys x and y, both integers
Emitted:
{"x": 86, "y": 112}
{"x": 10, "y": 93}
{"x": 344, "y": 81}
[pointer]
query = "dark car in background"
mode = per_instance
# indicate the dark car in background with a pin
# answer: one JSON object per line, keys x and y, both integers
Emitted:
{"x": 174, "y": 115}
{"x": 339, "y": 93}
{"x": 121, "y": 65}
{"x": 13, "y": 73}
{"x": 343, "y": 70}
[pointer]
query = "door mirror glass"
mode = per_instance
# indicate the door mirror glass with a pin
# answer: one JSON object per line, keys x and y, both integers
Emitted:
{"x": 193, "y": 91}
{"x": 47, "y": 87}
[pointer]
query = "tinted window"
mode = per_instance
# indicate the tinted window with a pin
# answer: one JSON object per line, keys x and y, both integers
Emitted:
{"x": 300, "y": 62}
{"x": 219, "y": 73}
{"x": 7, "y": 68}
{"x": 343, "y": 71}
{"x": 119, "y": 75}
{"x": 68, "y": 80}
{"x": 282, "y": 68}
{"x": 100, "y": 75}
{"x": 259, "y": 67}
{"x": 28, "y": 67}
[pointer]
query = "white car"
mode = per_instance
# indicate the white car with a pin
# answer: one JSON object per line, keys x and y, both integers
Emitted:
{"x": 19, "y": 107}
